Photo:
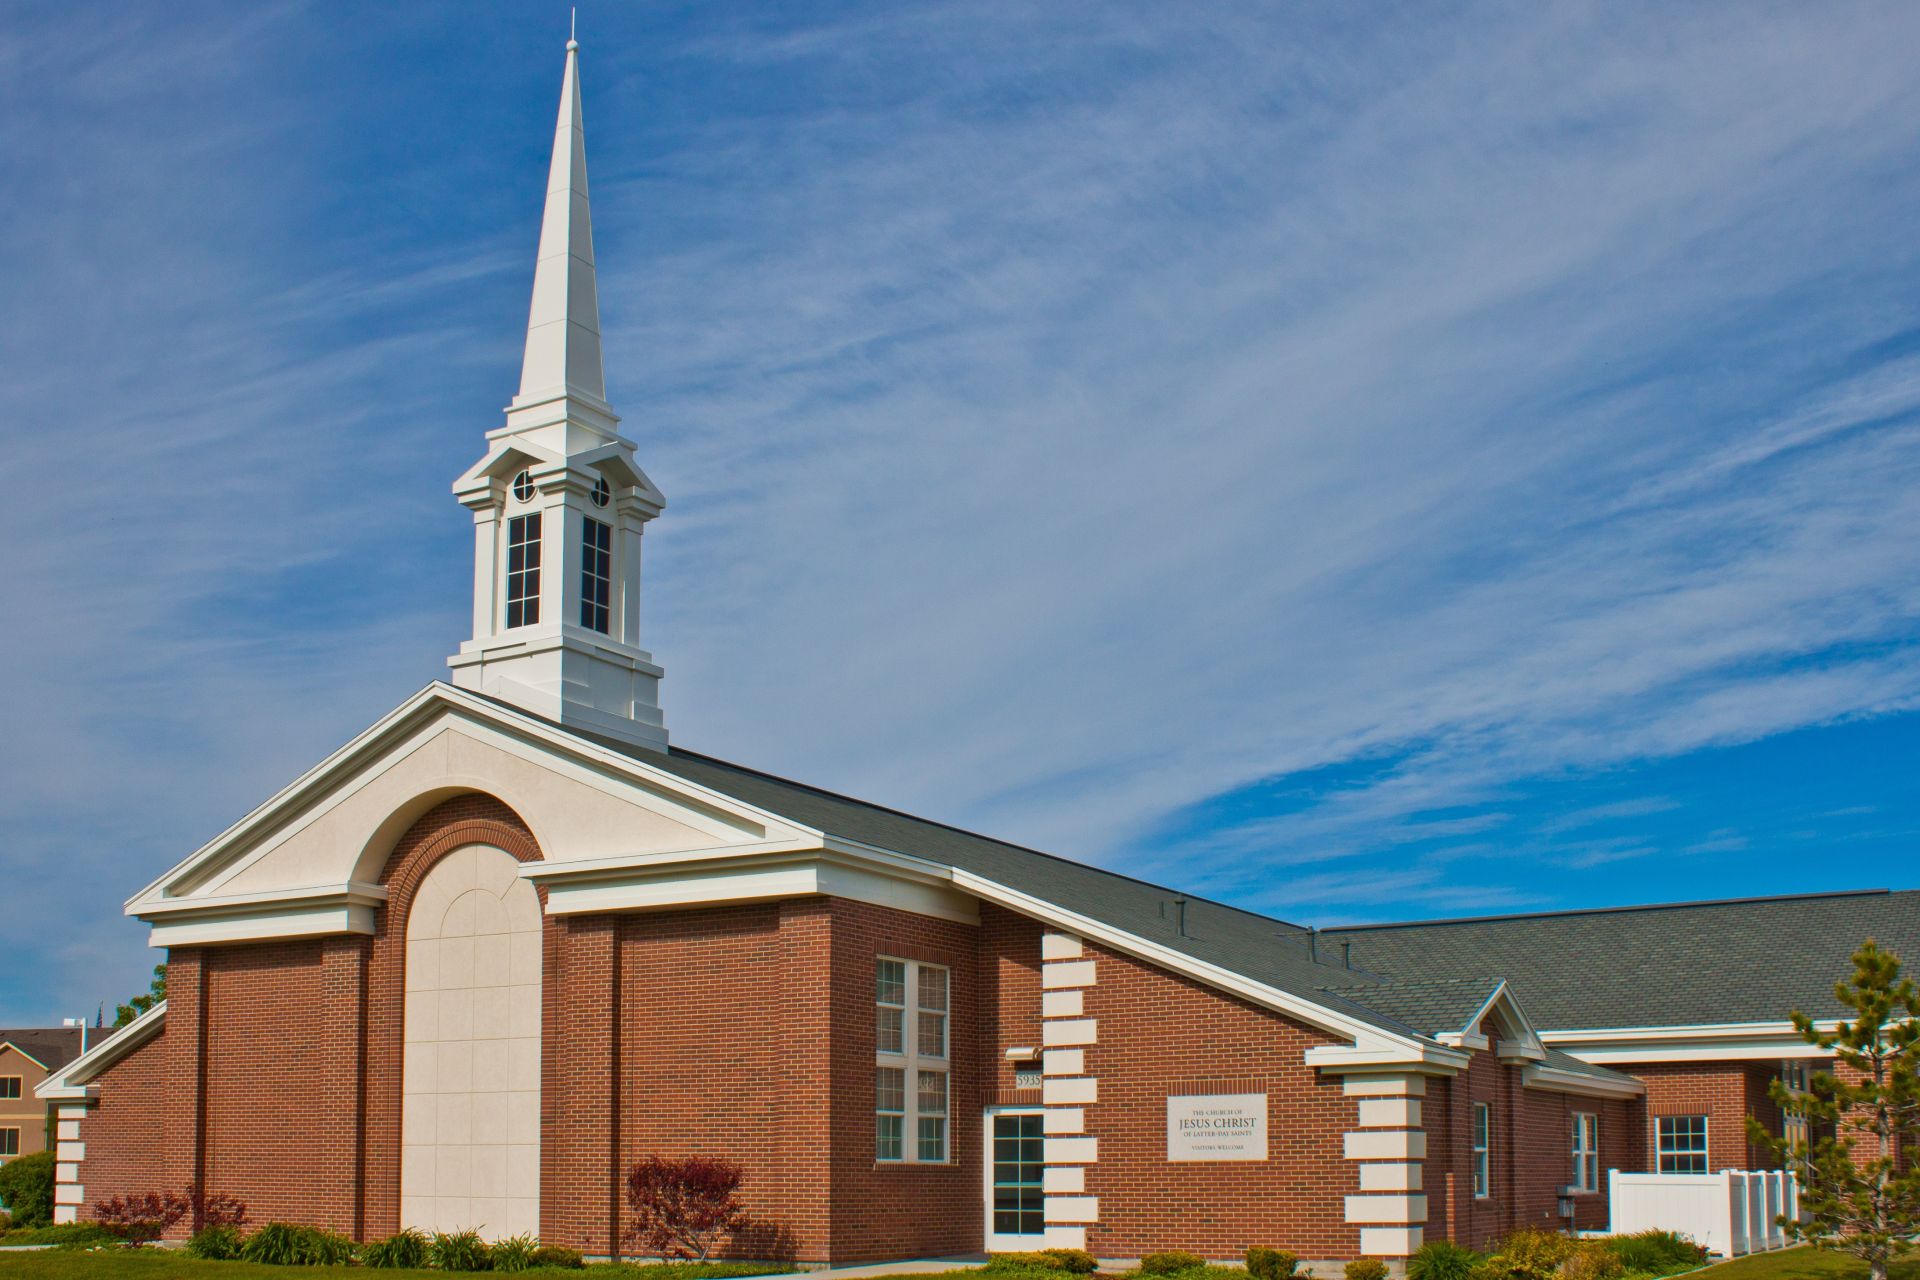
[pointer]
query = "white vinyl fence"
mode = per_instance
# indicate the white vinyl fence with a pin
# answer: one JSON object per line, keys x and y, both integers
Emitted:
{"x": 1731, "y": 1212}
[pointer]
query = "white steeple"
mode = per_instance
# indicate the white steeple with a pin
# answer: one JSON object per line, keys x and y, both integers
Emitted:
{"x": 558, "y": 502}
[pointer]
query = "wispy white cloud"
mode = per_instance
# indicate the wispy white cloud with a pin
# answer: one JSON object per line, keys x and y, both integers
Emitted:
{"x": 1070, "y": 413}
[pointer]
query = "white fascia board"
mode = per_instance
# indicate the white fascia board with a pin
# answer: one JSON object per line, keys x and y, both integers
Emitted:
{"x": 1555, "y": 1080}
{"x": 1702, "y": 1042}
{"x": 479, "y": 477}
{"x": 1464, "y": 1040}
{"x": 69, "y": 1082}
{"x": 353, "y": 893}
{"x": 764, "y": 879}
{"x": 415, "y": 712}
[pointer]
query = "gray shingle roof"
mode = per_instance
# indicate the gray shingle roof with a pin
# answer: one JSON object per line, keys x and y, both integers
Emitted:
{"x": 1431, "y": 1008}
{"x": 1268, "y": 951}
{"x": 1750, "y": 960}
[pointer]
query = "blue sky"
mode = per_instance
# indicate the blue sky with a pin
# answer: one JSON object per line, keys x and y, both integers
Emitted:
{"x": 1361, "y": 463}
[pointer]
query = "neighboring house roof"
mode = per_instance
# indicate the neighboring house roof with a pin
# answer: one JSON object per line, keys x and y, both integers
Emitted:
{"x": 1747, "y": 960}
{"x": 51, "y": 1047}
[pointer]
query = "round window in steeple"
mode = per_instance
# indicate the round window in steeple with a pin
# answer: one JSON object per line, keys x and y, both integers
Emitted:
{"x": 523, "y": 486}
{"x": 602, "y": 492}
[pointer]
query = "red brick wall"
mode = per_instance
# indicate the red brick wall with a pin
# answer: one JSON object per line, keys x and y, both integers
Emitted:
{"x": 125, "y": 1132}
{"x": 903, "y": 1210}
{"x": 1725, "y": 1092}
{"x": 1531, "y": 1153}
{"x": 1160, "y": 1034}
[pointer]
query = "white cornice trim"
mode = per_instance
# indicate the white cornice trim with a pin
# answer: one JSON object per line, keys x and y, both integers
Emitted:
{"x": 1558, "y": 1080}
{"x": 69, "y": 1083}
{"x": 1699, "y": 1042}
{"x": 415, "y": 711}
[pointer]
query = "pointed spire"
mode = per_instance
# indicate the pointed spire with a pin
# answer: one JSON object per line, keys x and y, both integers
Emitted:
{"x": 563, "y": 327}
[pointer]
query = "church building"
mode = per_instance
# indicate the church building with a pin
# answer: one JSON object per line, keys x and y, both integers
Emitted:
{"x": 511, "y": 940}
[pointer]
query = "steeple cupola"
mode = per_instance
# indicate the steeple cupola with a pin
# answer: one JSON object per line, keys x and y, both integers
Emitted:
{"x": 558, "y": 502}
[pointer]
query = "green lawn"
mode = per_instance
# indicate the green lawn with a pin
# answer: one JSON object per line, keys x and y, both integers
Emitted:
{"x": 1807, "y": 1264}
{"x": 171, "y": 1264}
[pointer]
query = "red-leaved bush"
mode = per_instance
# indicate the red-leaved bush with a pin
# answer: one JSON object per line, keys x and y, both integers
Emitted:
{"x": 214, "y": 1209}
{"x": 682, "y": 1207}
{"x": 142, "y": 1218}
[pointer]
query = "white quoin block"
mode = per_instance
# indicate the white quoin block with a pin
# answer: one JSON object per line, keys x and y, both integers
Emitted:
{"x": 1068, "y": 1179}
{"x": 1066, "y": 973}
{"x": 1390, "y": 1113}
{"x": 64, "y": 1214}
{"x": 69, "y": 1193}
{"x": 1381, "y": 1086}
{"x": 1071, "y": 1150}
{"x": 1069, "y": 1091}
{"x": 70, "y": 1151}
{"x": 1398, "y": 1210}
{"x": 1064, "y": 1120}
{"x": 1073, "y": 1209}
{"x": 1395, "y": 1176}
{"x": 67, "y": 1130}
{"x": 1064, "y": 1238}
{"x": 1063, "y": 1062}
{"x": 66, "y": 1173}
{"x": 1387, "y": 1144}
{"x": 73, "y": 1113}
{"x": 1070, "y": 1031}
{"x": 1063, "y": 1004}
{"x": 1391, "y": 1242}
{"x": 1059, "y": 946}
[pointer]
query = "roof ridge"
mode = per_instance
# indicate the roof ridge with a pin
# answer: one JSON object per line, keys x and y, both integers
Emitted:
{"x": 1620, "y": 910}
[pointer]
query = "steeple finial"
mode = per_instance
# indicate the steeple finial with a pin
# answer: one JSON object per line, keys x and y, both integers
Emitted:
{"x": 563, "y": 326}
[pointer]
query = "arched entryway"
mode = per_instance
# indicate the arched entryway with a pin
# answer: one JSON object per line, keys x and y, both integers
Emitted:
{"x": 470, "y": 1076}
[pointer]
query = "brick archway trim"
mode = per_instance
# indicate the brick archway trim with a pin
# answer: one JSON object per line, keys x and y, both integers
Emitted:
{"x": 463, "y": 820}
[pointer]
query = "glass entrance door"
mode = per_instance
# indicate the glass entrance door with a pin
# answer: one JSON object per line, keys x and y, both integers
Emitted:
{"x": 1016, "y": 1209}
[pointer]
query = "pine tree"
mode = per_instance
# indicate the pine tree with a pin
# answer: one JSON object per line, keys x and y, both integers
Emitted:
{"x": 141, "y": 1003}
{"x": 1866, "y": 1205}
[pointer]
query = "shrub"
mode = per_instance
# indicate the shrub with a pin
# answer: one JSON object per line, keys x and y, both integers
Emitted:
{"x": 515, "y": 1253}
{"x": 1271, "y": 1264}
{"x": 66, "y": 1235}
{"x": 1366, "y": 1269}
{"x": 1442, "y": 1260}
{"x": 26, "y": 1188}
{"x": 1592, "y": 1260}
{"x": 6, "y": 1222}
{"x": 1171, "y": 1262}
{"x": 1657, "y": 1253}
{"x": 221, "y": 1242}
{"x": 459, "y": 1251}
{"x": 403, "y": 1249}
{"x": 215, "y": 1210}
{"x": 284, "y": 1244}
{"x": 1527, "y": 1254}
{"x": 1068, "y": 1261}
{"x": 141, "y": 1218}
{"x": 681, "y": 1207}
{"x": 553, "y": 1255}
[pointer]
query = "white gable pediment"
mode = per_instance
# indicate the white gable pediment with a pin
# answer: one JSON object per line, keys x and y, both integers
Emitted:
{"x": 309, "y": 860}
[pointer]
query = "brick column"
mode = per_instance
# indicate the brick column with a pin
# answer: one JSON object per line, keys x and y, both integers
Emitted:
{"x": 342, "y": 1084}
{"x": 1389, "y": 1137}
{"x": 185, "y": 1045}
{"x": 807, "y": 983}
{"x": 580, "y": 1175}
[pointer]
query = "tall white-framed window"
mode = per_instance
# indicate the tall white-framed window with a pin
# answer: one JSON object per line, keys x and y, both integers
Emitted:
{"x": 1482, "y": 1151}
{"x": 1682, "y": 1144}
{"x": 596, "y": 573}
{"x": 912, "y": 1090}
{"x": 1586, "y": 1151}
{"x": 523, "y": 570}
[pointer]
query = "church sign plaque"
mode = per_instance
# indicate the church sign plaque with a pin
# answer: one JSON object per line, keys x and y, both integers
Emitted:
{"x": 1217, "y": 1126}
